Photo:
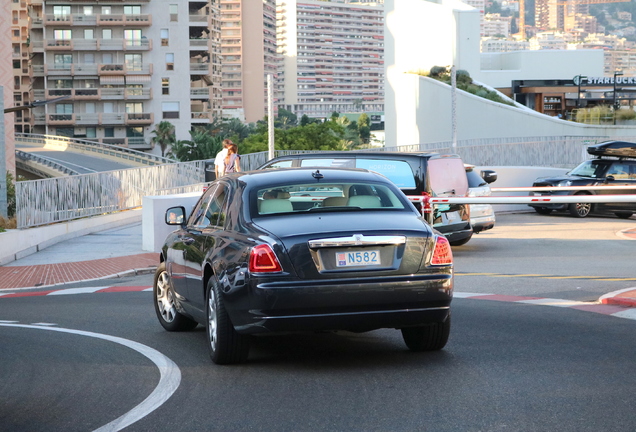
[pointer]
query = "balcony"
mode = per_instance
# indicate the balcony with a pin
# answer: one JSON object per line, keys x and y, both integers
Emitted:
{"x": 200, "y": 117}
{"x": 58, "y": 20}
{"x": 138, "y": 93}
{"x": 124, "y": 44}
{"x": 200, "y": 93}
{"x": 87, "y": 119}
{"x": 200, "y": 68}
{"x": 61, "y": 119}
{"x": 111, "y": 119}
{"x": 112, "y": 93}
{"x": 139, "y": 118}
{"x": 86, "y": 94}
{"x": 140, "y": 20}
{"x": 197, "y": 20}
{"x": 199, "y": 43}
{"x": 59, "y": 45}
{"x": 122, "y": 69}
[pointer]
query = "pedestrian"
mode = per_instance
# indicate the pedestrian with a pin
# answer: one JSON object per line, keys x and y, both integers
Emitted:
{"x": 232, "y": 160}
{"x": 219, "y": 160}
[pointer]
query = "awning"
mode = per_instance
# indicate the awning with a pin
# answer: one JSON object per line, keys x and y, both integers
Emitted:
{"x": 137, "y": 79}
{"x": 119, "y": 80}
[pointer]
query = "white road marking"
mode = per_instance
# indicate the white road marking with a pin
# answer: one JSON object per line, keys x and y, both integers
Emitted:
{"x": 89, "y": 290}
{"x": 7, "y": 322}
{"x": 554, "y": 302}
{"x": 44, "y": 324}
{"x": 168, "y": 382}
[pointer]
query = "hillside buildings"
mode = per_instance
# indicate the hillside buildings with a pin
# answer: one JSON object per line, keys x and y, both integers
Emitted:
{"x": 332, "y": 56}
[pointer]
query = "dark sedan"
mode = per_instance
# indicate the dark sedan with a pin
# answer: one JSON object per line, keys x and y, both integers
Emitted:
{"x": 303, "y": 250}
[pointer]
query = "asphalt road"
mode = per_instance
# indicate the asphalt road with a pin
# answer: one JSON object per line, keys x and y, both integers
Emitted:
{"x": 507, "y": 366}
{"x": 82, "y": 163}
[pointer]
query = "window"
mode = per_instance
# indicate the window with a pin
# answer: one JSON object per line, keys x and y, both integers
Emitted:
{"x": 89, "y": 58}
{"x": 62, "y": 34}
{"x": 107, "y": 58}
{"x": 16, "y": 64}
{"x": 165, "y": 86}
{"x": 133, "y": 62}
{"x": 89, "y": 108}
{"x": 132, "y": 10}
{"x": 135, "y": 132}
{"x": 109, "y": 108}
{"x": 134, "y": 107}
{"x": 165, "y": 37}
{"x": 88, "y": 10}
{"x": 61, "y": 13}
{"x": 91, "y": 132}
{"x": 132, "y": 37}
{"x": 89, "y": 34}
{"x": 62, "y": 84}
{"x": 399, "y": 172}
{"x": 169, "y": 61}
{"x": 106, "y": 10}
{"x": 210, "y": 212}
{"x": 62, "y": 108}
{"x": 109, "y": 132}
{"x": 174, "y": 9}
{"x": 61, "y": 61}
{"x": 107, "y": 33}
{"x": 170, "y": 110}
{"x": 134, "y": 89}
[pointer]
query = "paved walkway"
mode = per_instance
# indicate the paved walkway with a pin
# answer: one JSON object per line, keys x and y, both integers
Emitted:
{"x": 101, "y": 255}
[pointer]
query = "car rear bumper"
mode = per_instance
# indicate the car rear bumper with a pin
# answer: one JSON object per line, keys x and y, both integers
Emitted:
{"x": 348, "y": 304}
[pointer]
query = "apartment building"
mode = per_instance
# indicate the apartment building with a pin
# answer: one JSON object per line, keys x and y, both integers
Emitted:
{"x": 123, "y": 67}
{"x": 332, "y": 56}
{"x": 496, "y": 25}
{"x": 496, "y": 45}
{"x": 248, "y": 52}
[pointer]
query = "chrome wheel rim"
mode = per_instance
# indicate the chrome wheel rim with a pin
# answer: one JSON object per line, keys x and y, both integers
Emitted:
{"x": 583, "y": 209}
{"x": 212, "y": 323}
{"x": 165, "y": 298}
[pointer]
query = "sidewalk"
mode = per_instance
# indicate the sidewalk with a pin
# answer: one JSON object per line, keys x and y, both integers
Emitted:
{"x": 102, "y": 255}
{"x": 117, "y": 252}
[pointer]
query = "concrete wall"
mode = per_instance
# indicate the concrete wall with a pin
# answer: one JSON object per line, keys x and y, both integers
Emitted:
{"x": 154, "y": 228}
{"x": 422, "y": 113}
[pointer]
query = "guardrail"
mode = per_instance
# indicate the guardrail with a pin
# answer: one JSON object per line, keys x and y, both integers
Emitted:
{"x": 41, "y": 202}
{"x": 95, "y": 147}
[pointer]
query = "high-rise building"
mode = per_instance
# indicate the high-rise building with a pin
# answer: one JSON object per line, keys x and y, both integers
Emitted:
{"x": 124, "y": 67}
{"x": 248, "y": 51}
{"x": 332, "y": 56}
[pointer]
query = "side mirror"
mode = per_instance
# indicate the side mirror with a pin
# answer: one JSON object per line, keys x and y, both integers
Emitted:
{"x": 175, "y": 216}
{"x": 489, "y": 176}
{"x": 610, "y": 178}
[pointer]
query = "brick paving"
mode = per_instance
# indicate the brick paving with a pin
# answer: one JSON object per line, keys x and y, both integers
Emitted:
{"x": 52, "y": 274}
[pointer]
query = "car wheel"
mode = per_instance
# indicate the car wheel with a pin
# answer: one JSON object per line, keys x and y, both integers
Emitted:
{"x": 543, "y": 210}
{"x": 580, "y": 210}
{"x": 165, "y": 305}
{"x": 624, "y": 215}
{"x": 431, "y": 337}
{"x": 461, "y": 242}
{"x": 225, "y": 344}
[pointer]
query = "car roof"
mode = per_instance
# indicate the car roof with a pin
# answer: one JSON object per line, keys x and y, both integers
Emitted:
{"x": 266, "y": 177}
{"x": 374, "y": 154}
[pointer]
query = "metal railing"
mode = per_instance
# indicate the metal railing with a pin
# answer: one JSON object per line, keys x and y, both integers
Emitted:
{"x": 92, "y": 146}
{"x": 39, "y": 160}
{"x": 41, "y": 202}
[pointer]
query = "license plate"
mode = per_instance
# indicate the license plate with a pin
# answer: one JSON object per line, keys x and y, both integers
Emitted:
{"x": 453, "y": 217}
{"x": 357, "y": 258}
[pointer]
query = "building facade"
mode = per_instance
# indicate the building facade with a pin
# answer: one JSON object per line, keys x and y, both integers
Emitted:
{"x": 332, "y": 56}
{"x": 248, "y": 52}
{"x": 122, "y": 68}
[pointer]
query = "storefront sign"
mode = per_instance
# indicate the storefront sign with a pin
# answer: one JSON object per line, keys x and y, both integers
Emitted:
{"x": 610, "y": 80}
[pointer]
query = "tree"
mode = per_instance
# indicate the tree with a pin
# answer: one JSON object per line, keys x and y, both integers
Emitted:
{"x": 202, "y": 145}
{"x": 164, "y": 136}
{"x": 285, "y": 119}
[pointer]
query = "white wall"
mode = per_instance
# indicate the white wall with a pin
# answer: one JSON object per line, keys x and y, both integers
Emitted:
{"x": 422, "y": 114}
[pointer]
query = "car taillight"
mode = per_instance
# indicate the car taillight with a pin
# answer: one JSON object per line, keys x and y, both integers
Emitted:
{"x": 442, "y": 254}
{"x": 263, "y": 260}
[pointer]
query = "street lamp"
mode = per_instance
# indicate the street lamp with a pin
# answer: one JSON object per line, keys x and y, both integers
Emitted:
{"x": 617, "y": 103}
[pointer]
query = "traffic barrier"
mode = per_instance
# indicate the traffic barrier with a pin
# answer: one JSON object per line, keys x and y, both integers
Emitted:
{"x": 566, "y": 188}
{"x": 555, "y": 199}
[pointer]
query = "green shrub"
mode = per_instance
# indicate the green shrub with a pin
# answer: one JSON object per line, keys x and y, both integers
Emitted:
{"x": 437, "y": 71}
{"x": 625, "y": 114}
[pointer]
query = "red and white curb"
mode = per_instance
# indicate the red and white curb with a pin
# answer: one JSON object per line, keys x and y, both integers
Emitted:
{"x": 596, "y": 307}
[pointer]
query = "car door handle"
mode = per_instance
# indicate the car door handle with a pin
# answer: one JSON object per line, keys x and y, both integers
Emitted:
{"x": 188, "y": 240}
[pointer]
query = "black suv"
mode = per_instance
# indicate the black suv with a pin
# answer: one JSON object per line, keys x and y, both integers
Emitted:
{"x": 415, "y": 173}
{"x": 614, "y": 165}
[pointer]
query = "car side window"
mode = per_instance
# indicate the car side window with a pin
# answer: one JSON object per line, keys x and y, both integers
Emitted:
{"x": 619, "y": 171}
{"x": 280, "y": 164}
{"x": 215, "y": 213}
{"x": 328, "y": 162}
{"x": 199, "y": 212}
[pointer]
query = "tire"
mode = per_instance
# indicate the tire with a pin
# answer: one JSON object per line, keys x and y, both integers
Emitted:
{"x": 165, "y": 305}
{"x": 431, "y": 337}
{"x": 624, "y": 215}
{"x": 580, "y": 210}
{"x": 543, "y": 210}
{"x": 225, "y": 344}
{"x": 461, "y": 242}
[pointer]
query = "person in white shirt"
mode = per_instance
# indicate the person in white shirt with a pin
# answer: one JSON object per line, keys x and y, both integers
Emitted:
{"x": 219, "y": 160}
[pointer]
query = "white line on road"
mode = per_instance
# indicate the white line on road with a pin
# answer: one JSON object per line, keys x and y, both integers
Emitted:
{"x": 168, "y": 382}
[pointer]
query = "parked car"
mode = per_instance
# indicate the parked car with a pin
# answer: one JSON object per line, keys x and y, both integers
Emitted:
{"x": 258, "y": 255}
{"x": 614, "y": 164}
{"x": 416, "y": 174}
{"x": 482, "y": 216}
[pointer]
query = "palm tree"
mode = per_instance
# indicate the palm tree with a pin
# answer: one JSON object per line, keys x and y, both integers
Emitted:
{"x": 164, "y": 136}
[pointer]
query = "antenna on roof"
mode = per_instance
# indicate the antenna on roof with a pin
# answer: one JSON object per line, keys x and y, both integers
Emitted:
{"x": 317, "y": 175}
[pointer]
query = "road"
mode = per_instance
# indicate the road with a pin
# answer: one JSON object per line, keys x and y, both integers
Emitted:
{"x": 507, "y": 367}
{"x": 83, "y": 163}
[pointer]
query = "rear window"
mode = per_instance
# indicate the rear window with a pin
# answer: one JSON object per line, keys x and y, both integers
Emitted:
{"x": 326, "y": 197}
{"x": 447, "y": 176}
{"x": 399, "y": 172}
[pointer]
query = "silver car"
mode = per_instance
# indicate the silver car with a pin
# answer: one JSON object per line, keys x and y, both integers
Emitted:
{"x": 482, "y": 216}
